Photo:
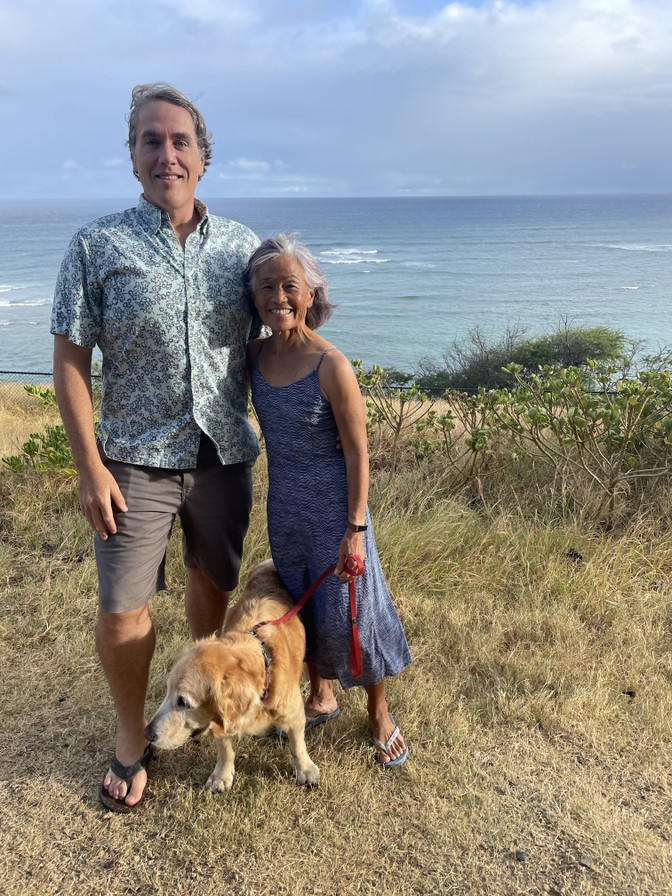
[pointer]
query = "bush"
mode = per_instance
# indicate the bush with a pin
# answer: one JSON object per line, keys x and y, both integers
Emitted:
{"x": 617, "y": 437}
{"x": 476, "y": 363}
{"x": 45, "y": 450}
{"x": 602, "y": 449}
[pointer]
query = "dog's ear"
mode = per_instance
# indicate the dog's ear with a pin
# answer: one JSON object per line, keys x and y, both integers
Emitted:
{"x": 233, "y": 696}
{"x": 217, "y": 727}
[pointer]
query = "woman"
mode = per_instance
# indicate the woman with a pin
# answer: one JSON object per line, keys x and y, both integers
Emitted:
{"x": 306, "y": 396}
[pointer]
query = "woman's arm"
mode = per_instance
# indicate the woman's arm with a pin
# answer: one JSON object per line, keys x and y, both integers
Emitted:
{"x": 341, "y": 389}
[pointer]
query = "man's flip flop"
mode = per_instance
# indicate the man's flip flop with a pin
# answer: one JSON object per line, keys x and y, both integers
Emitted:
{"x": 125, "y": 773}
{"x": 385, "y": 747}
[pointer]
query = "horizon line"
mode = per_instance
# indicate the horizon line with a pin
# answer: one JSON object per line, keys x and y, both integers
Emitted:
{"x": 552, "y": 195}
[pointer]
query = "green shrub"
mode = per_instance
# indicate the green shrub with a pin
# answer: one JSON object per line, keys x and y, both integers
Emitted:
{"x": 45, "y": 450}
{"x": 476, "y": 363}
{"x": 616, "y": 436}
{"x": 603, "y": 445}
{"x": 392, "y": 412}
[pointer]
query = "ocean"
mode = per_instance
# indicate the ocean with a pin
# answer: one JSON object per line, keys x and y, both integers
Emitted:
{"x": 409, "y": 276}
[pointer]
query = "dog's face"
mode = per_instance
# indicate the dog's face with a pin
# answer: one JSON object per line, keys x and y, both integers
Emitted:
{"x": 208, "y": 690}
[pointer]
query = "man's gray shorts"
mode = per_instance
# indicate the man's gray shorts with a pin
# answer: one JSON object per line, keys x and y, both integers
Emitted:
{"x": 213, "y": 502}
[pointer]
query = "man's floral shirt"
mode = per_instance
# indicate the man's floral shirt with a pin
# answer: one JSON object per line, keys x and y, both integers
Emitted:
{"x": 172, "y": 326}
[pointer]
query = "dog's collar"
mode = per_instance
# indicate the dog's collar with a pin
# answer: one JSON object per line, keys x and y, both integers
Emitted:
{"x": 267, "y": 662}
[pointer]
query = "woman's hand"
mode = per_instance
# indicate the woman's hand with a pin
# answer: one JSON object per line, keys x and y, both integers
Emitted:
{"x": 351, "y": 543}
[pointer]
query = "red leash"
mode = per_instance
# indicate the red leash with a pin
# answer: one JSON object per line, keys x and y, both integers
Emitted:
{"x": 355, "y": 567}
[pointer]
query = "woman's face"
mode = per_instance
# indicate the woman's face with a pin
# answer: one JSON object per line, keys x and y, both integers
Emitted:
{"x": 281, "y": 294}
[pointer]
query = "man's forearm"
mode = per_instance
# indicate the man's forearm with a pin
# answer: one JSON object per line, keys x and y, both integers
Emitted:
{"x": 72, "y": 385}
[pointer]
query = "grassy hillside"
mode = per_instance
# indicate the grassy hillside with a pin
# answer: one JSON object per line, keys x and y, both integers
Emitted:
{"x": 537, "y": 709}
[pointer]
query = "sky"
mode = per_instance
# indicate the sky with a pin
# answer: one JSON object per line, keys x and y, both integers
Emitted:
{"x": 346, "y": 98}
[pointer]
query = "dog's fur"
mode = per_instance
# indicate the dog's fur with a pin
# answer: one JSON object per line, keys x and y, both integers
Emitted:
{"x": 216, "y": 685}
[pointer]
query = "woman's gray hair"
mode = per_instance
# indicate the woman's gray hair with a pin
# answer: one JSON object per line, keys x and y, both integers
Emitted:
{"x": 283, "y": 244}
{"x": 147, "y": 93}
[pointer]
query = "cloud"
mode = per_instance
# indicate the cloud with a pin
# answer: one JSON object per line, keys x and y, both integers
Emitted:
{"x": 232, "y": 14}
{"x": 15, "y": 28}
{"x": 248, "y": 166}
{"x": 366, "y": 97}
{"x": 274, "y": 178}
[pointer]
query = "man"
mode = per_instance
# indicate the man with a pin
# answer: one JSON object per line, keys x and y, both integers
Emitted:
{"x": 159, "y": 289}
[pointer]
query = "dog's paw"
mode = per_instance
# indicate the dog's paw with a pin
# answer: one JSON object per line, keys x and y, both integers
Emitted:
{"x": 219, "y": 783}
{"x": 308, "y": 774}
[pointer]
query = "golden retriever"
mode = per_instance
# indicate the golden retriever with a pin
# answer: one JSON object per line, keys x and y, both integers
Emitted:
{"x": 231, "y": 685}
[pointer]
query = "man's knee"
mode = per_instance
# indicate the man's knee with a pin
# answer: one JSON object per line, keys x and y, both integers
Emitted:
{"x": 123, "y": 626}
{"x": 201, "y": 585}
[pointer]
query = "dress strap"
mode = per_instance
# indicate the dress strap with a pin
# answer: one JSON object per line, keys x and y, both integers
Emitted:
{"x": 321, "y": 358}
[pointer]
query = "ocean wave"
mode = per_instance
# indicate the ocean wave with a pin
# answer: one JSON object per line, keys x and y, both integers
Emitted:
{"x": 629, "y": 287}
{"x": 351, "y": 256}
{"x": 36, "y": 304}
{"x": 349, "y": 252}
{"x": 639, "y": 247}
{"x": 355, "y": 261}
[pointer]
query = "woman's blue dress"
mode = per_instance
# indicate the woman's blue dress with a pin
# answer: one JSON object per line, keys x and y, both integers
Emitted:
{"x": 307, "y": 514}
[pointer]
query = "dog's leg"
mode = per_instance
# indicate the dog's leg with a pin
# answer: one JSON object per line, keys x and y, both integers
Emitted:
{"x": 306, "y": 770}
{"x": 222, "y": 774}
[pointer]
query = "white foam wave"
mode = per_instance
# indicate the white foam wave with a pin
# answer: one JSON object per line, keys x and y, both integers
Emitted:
{"x": 629, "y": 287}
{"x": 349, "y": 252}
{"x": 351, "y": 256}
{"x": 355, "y": 261}
{"x": 640, "y": 247}
{"x": 37, "y": 304}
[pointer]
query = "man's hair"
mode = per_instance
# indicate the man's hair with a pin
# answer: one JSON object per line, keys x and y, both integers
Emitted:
{"x": 275, "y": 246}
{"x": 147, "y": 93}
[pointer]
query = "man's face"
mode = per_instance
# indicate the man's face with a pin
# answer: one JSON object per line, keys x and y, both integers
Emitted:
{"x": 166, "y": 157}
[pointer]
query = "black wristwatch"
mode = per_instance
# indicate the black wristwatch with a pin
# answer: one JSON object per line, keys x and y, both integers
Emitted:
{"x": 353, "y": 527}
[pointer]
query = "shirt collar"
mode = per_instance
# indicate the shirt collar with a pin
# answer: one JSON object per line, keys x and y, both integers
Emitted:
{"x": 154, "y": 217}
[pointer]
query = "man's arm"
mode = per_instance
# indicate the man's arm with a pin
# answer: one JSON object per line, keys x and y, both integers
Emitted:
{"x": 98, "y": 490}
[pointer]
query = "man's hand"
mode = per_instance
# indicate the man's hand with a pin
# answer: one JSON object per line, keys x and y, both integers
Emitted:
{"x": 99, "y": 494}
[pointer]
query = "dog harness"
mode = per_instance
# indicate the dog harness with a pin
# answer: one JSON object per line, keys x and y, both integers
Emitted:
{"x": 267, "y": 660}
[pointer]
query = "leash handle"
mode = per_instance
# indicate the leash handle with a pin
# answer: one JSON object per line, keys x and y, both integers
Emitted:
{"x": 354, "y": 565}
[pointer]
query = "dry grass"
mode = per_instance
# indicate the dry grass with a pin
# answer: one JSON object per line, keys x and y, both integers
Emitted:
{"x": 20, "y": 415}
{"x": 537, "y": 708}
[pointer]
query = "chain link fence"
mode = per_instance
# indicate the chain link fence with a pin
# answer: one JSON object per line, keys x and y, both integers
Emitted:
{"x": 13, "y": 382}
{"x": 17, "y": 379}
